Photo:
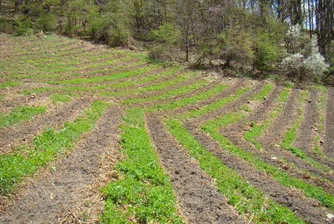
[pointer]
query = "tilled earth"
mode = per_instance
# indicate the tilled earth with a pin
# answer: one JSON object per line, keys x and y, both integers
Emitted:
{"x": 68, "y": 189}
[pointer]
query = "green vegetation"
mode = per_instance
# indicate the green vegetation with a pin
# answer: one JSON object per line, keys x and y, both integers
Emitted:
{"x": 66, "y": 69}
{"x": 60, "y": 98}
{"x": 26, "y": 161}
{"x": 263, "y": 93}
{"x": 216, "y": 105}
{"x": 20, "y": 114}
{"x": 245, "y": 198}
{"x": 169, "y": 94}
{"x": 105, "y": 78}
{"x": 143, "y": 191}
{"x": 321, "y": 105}
{"x": 280, "y": 176}
{"x": 10, "y": 83}
{"x": 290, "y": 136}
{"x": 258, "y": 129}
{"x": 157, "y": 87}
{"x": 190, "y": 100}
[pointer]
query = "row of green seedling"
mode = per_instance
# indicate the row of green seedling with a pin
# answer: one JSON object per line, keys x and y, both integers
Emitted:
{"x": 257, "y": 130}
{"x": 309, "y": 190}
{"x": 191, "y": 100}
{"x": 143, "y": 192}
{"x": 156, "y": 87}
{"x": 245, "y": 198}
{"x": 26, "y": 160}
{"x": 291, "y": 134}
{"x": 20, "y": 114}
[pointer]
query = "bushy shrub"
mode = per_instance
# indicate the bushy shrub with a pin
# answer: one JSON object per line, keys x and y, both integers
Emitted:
{"x": 47, "y": 22}
{"x": 266, "y": 52}
{"x": 167, "y": 38}
{"x": 78, "y": 14}
{"x": 24, "y": 26}
{"x": 309, "y": 65}
{"x": 106, "y": 30}
{"x": 7, "y": 26}
{"x": 119, "y": 36}
{"x": 165, "y": 34}
{"x": 99, "y": 28}
{"x": 235, "y": 44}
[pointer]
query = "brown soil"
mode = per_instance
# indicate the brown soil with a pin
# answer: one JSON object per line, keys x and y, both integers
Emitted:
{"x": 162, "y": 91}
{"x": 15, "y": 99}
{"x": 229, "y": 107}
{"x": 56, "y": 197}
{"x": 150, "y": 103}
{"x": 23, "y": 133}
{"x": 273, "y": 136}
{"x": 199, "y": 199}
{"x": 328, "y": 147}
{"x": 225, "y": 93}
{"x": 262, "y": 111}
{"x": 109, "y": 69}
{"x": 35, "y": 52}
{"x": 306, "y": 133}
{"x": 235, "y": 133}
{"x": 308, "y": 209}
{"x": 156, "y": 81}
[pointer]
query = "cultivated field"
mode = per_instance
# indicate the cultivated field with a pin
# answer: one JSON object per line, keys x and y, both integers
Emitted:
{"x": 90, "y": 134}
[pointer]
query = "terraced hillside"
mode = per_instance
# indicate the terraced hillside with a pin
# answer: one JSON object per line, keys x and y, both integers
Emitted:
{"x": 91, "y": 134}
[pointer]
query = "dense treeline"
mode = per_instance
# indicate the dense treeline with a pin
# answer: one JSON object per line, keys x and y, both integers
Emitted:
{"x": 248, "y": 34}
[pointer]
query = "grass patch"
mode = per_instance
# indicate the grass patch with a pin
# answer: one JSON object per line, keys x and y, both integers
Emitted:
{"x": 20, "y": 114}
{"x": 26, "y": 161}
{"x": 60, "y": 98}
{"x": 143, "y": 192}
{"x": 9, "y": 83}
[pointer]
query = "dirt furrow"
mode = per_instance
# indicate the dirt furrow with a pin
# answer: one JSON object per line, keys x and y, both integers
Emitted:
{"x": 137, "y": 86}
{"x": 308, "y": 209}
{"x": 273, "y": 136}
{"x": 305, "y": 136}
{"x": 181, "y": 96}
{"x": 14, "y": 100}
{"x": 36, "y": 53}
{"x": 12, "y": 137}
{"x": 235, "y": 133}
{"x": 231, "y": 106}
{"x": 266, "y": 105}
{"x": 72, "y": 190}
{"x": 158, "y": 80}
{"x": 112, "y": 68}
{"x": 328, "y": 147}
{"x": 229, "y": 91}
{"x": 199, "y": 199}
{"x": 164, "y": 90}
{"x": 106, "y": 71}
{"x": 274, "y": 158}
